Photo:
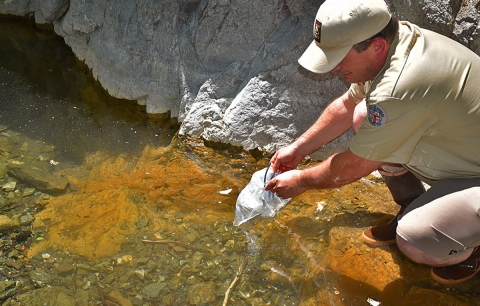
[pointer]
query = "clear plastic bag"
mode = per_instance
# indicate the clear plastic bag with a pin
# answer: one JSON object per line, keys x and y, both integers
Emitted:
{"x": 254, "y": 200}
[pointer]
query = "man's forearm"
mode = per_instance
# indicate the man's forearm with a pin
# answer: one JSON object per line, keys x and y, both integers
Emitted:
{"x": 338, "y": 170}
{"x": 334, "y": 121}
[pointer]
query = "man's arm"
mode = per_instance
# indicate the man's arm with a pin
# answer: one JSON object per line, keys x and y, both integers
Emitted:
{"x": 338, "y": 170}
{"x": 335, "y": 120}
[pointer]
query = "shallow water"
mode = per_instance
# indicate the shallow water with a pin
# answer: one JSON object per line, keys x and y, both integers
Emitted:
{"x": 143, "y": 220}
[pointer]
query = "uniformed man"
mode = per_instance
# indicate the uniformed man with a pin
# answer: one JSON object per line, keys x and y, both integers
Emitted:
{"x": 415, "y": 103}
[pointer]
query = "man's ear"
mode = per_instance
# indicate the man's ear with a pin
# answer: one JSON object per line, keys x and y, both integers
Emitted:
{"x": 380, "y": 46}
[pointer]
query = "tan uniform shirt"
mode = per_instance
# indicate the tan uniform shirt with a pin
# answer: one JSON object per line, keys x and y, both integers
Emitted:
{"x": 423, "y": 107}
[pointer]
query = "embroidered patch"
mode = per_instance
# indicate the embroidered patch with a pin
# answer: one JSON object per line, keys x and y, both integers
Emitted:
{"x": 376, "y": 115}
{"x": 317, "y": 31}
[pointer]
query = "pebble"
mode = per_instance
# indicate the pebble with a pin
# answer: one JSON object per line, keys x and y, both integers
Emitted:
{"x": 28, "y": 191}
{"x": 153, "y": 290}
{"x": 10, "y": 186}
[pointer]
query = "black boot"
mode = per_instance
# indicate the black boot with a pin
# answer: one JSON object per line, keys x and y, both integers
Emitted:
{"x": 404, "y": 187}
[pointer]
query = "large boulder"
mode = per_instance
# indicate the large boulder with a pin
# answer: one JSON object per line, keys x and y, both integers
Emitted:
{"x": 226, "y": 69}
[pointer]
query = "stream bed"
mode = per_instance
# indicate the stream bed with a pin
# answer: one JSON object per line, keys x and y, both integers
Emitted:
{"x": 101, "y": 204}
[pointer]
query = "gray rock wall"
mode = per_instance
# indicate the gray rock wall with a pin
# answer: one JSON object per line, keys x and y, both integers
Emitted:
{"x": 227, "y": 69}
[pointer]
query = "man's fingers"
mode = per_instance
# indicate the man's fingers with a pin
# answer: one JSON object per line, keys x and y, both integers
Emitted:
{"x": 270, "y": 184}
{"x": 273, "y": 163}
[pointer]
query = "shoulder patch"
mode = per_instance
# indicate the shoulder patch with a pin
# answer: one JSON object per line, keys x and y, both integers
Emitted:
{"x": 376, "y": 115}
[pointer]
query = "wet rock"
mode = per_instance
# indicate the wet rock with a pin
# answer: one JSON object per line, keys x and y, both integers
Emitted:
{"x": 16, "y": 264}
{"x": 153, "y": 290}
{"x": 53, "y": 296}
{"x": 38, "y": 177}
{"x": 117, "y": 296}
{"x": 7, "y": 224}
{"x": 5, "y": 285}
{"x": 307, "y": 227}
{"x": 346, "y": 248}
{"x": 40, "y": 278}
{"x": 141, "y": 222}
{"x": 64, "y": 268}
{"x": 5, "y": 145}
{"x": 3, "y": 169}
{"x": 201, "y": 293}
{"x": 28, "y": 192}
{"x": 418, "y": 296}
{"x": 190, "y": 237}
{"x": 10, "y": 186}
{"x": 26, "y": 219}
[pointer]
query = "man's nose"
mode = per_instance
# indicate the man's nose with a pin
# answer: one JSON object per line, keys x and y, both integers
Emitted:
{"x": 337, "y": 68}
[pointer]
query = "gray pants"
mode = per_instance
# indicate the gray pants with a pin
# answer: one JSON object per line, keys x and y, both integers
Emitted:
{"x": 445, "y": 220}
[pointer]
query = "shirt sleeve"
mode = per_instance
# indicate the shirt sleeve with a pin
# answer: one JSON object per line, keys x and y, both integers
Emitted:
{"x": 356, "y": 92}
{"x": 391, "y": 131}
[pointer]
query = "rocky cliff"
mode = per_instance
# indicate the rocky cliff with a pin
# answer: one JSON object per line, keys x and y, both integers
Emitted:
{"x": 226, "y": 69}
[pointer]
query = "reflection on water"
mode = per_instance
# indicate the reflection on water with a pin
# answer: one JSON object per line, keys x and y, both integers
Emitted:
{"x": 138, "y": 218}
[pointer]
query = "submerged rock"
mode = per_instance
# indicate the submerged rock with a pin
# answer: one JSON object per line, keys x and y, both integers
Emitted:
{"x": 7, "y": 224}
{"x": 202, "y": 293}
{"x": 38, "y": 177}
{"x": 52, "y": 296}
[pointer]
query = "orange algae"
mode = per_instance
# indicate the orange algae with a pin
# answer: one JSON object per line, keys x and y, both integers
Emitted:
{"x": 95, "y": 221}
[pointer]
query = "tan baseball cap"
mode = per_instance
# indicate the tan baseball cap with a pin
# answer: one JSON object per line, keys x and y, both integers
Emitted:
{"x": 338, "y": 26}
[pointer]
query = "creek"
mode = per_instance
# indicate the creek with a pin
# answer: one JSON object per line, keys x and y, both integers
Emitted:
{"x": 102, "y": 204}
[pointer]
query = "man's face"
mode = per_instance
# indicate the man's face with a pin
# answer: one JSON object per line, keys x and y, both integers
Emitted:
{"x": 358, "y": 67}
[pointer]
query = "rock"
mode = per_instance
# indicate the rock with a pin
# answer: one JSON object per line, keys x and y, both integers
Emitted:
{"x": 40, "y": 278}
{"x": 28, "y": 192}
{"x": 437, "y": 15}
{"x": 7, "y": 224}
{"x": 53, "y": 296}
{"x": 227, "y": 70}
{"x": 153, "y": 290}
{"x": 422, "y": 296}
{"x": 10, "y": 186}
{"x": 202, "y": 293}
{"x": 120, "y": 299}
{"x": 38, "y": 177}
{"x": 3, "y": 168}
{"x": 26, "y": 219}
{"x": 54, "y": 9}
{"x": 14, "y": 264}
{"x": 65, "y": 268}
{"x": 4, "y": 285}
{"x": 190, "y": 237}
{"x": 361, "y": 268}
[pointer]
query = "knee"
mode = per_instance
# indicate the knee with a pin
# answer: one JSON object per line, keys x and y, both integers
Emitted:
{"x": 421, "y": 257}
{"x": 411, "y": 251}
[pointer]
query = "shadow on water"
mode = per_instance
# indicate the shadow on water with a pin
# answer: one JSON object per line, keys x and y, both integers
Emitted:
{"x": 48, "y": 94}
{"x": 146, "y": 218}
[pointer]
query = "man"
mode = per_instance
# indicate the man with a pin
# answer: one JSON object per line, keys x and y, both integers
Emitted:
{"x": 419, "y": 119}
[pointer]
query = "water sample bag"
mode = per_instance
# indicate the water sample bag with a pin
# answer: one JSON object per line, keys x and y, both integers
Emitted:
{"x": 253, "y": 200}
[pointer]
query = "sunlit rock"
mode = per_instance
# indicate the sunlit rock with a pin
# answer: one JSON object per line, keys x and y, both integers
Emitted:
{"x": 227, "y": 70}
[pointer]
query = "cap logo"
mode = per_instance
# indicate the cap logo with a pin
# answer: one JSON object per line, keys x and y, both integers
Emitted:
{"x": 376, "y": 115}
{"x": 317, "y": 34}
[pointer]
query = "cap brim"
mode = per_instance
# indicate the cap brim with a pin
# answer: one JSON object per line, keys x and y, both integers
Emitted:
{"x": 323, "y": 60}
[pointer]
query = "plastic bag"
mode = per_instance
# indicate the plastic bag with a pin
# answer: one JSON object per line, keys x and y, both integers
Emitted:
{"x": 254, "y": 200}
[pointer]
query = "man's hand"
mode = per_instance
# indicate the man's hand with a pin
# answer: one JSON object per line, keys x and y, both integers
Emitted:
{"x": 287, "y": 185}
{"x": 286, "y": 159}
